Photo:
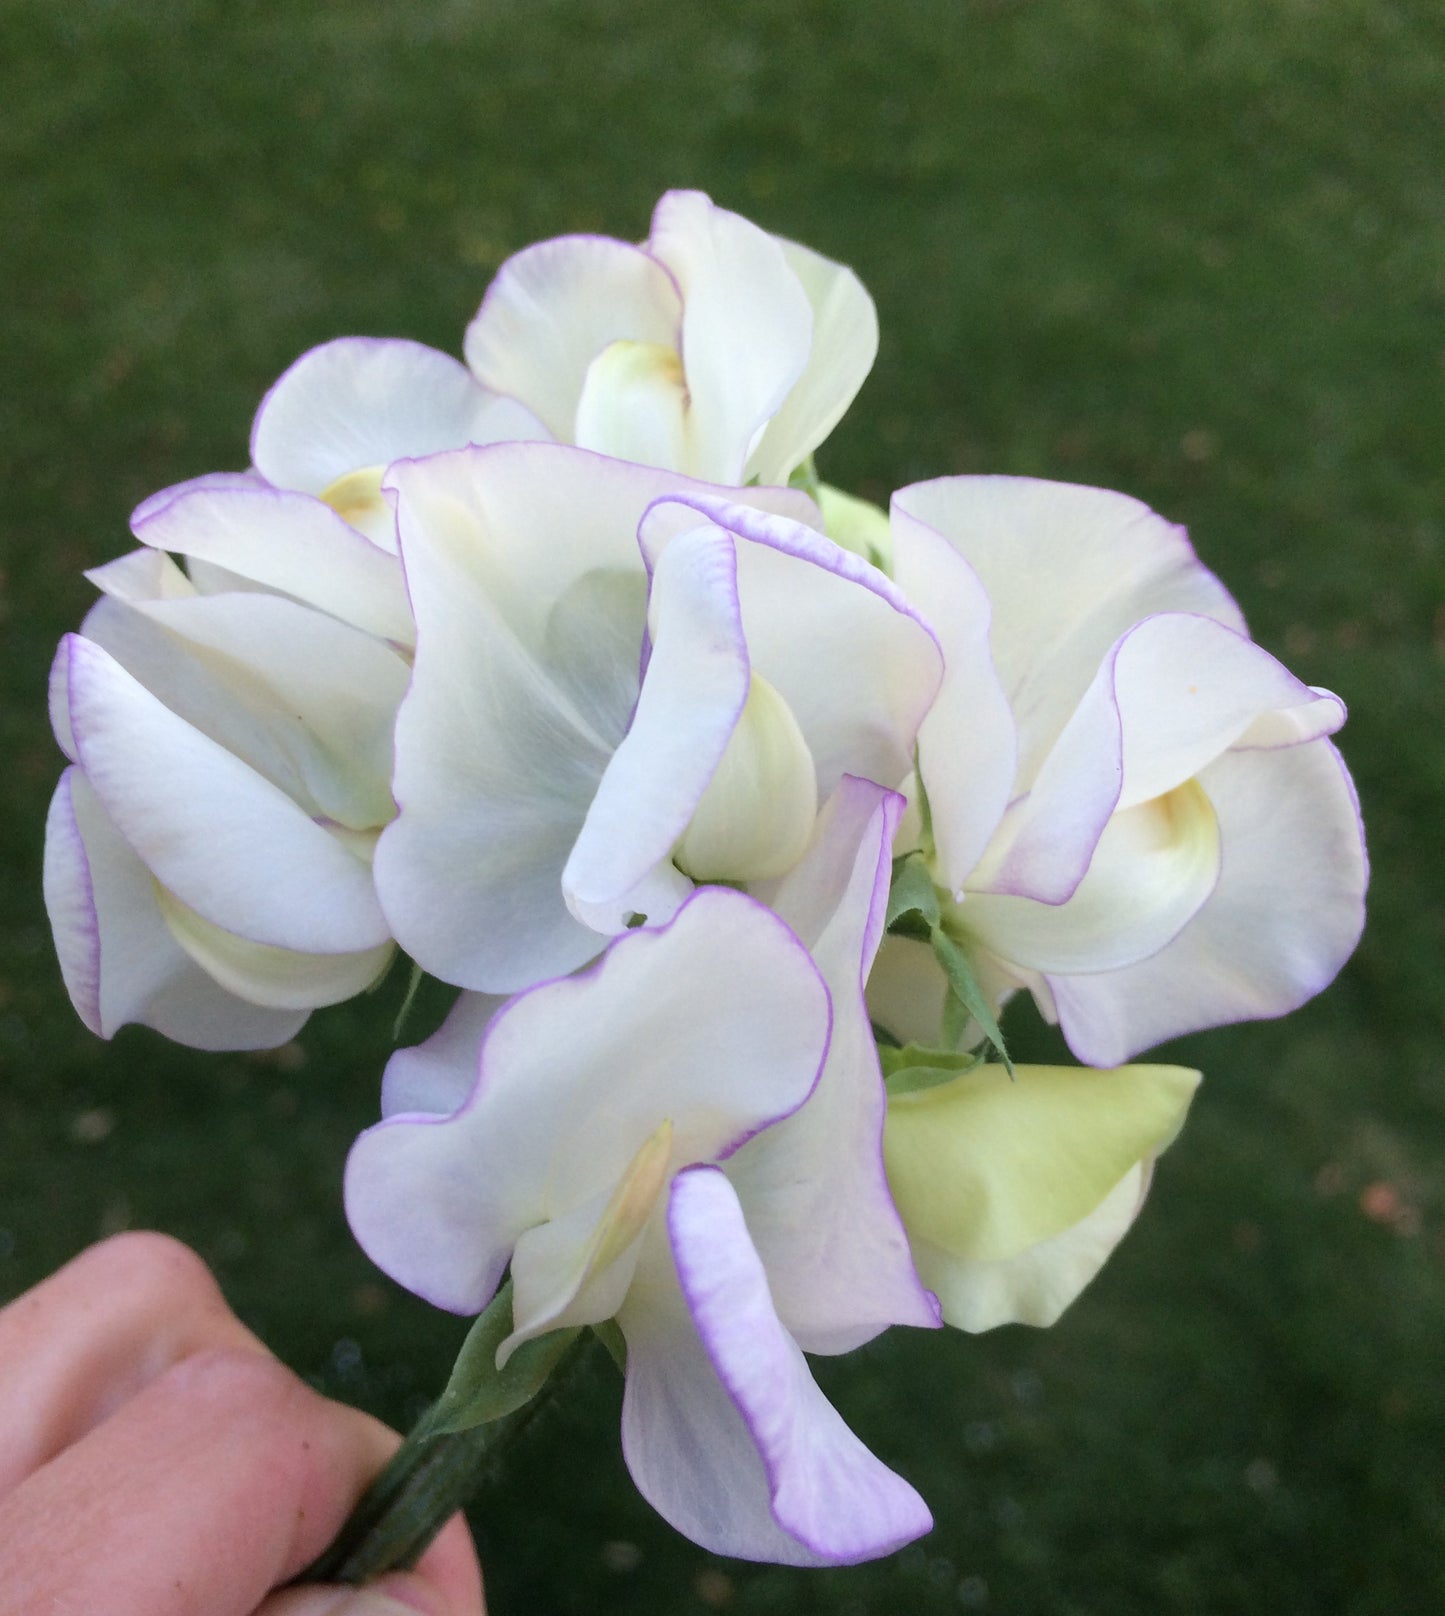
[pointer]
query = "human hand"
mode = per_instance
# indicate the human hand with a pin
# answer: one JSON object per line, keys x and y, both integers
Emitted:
{"x": 157, "y": 1460}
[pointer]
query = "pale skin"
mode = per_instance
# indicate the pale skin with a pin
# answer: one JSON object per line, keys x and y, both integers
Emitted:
{"x": 157, "y": 1460}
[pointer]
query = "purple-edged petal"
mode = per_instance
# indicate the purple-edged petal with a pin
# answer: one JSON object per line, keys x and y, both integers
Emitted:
{"x": 845, "y": 342}
{"x": 362, "y": 402}
{"x": 290, "y": 543}
{"x": 967, "y": 747}
{"x": 1067, "y": 569}
{"x": 747, "y": 328}
{"x": 554, "y": 307}
{"x": 1285, "y": 915}
{"x": 691, "y": 698}
{"x": 819, "y": 1207}
{"x": 717, "y": 1024}
{"x": 211, "y": 481}
{"x": 227, "y": 842}
{"x": 724, "y": 1429}
{"x": 853, "y": 659}
{"x": 435, "y": 1077}
{"x": 119, "y": 959}
{"x": 305, "y": 701}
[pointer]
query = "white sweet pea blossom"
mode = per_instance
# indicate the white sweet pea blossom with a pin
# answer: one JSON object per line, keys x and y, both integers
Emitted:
{"x": 625, "y": 682}
{"x": 712, "y": 349}
{"x": 1135, "y": 811}
{"x": 208, "y": 855}
{"x": 344, "y": 411}
{"x": 1015, "y": 1190}
{"x": 685, "y": 1138}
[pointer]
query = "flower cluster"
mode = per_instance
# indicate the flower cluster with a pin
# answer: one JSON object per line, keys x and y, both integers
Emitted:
{"x": 736, "y": 808}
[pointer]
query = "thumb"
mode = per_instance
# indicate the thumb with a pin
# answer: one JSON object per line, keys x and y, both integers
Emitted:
{"x": 399, "y": 1594}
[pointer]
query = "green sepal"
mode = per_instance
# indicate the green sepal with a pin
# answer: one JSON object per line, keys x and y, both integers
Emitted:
{"x": 915, "y": 1067}
{"x": 478, "y": 1391}
{"x": 413, "y": 987}
{"x": 611, "y": 1337}
{"x": 966, "y": 995}
{"x": 912, "y": 899}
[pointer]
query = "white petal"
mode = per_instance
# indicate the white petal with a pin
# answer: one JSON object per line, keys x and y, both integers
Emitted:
{"x": 1149, "y": 875}
{"x": 845, "y": 342}
{"x": 278, "y": 978}
{"x": 554, "y": 307}
{"x": 724, "y": 1429}
{"x": 292, "y": 544}
{"x": 1285, "y": 915}
{"x": 436, "y": 1076}
{"x": 717, "y": 1024}
{"x": 819, "y": 1207}
{"x": 361, "y": 402}
{"x": 1067, "y": 570}
{"x": 853, "y": 660}
{"x": 304, "y": 700}
{"x": 224, "y": 840}
{"x": 634, "y": 404}
{"x": 747, "y": 328}
{"x": 692, "y": 695}
{"x": 118, "y": 957}
{"x": 967, "y": 748}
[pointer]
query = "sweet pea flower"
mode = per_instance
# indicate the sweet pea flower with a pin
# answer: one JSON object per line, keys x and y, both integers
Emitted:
{"x": 1132, "y": 810}
{"x": 686, "y": 1138}
{"x": 713, "y": 349}
{"x": 1016, "y": 1188}
{"x": 208, "y": 854}
{"x": 625, "y": 682}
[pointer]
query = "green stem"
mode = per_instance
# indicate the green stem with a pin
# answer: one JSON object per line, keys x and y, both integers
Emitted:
{"x": 429, "y": 1478}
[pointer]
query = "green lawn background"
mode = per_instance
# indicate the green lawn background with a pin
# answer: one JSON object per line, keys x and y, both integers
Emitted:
{"x": 1191, "y": 250}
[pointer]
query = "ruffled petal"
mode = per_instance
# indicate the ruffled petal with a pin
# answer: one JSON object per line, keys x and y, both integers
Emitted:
{"x": 692, "y": 696}
{"x": 845, "y": 343}
{"x": 305, "y": 701}
{"x": 292, "y": 544}
{"x": 1067, "y": 570}
{"x": 119, "y": 959}
{"x": 717, "y": 1024}
{"x": 362, "y": 402}
{"x": 226, "y": 841}
{"x": 435, "y": 1077}
{"x": 855, "y": 662}
{"x": 724, "y": 1429}
{"x": 747, "y": 328}
{"x": 967, "y": 748}
{"x": 819, "y": 1208}
{"x": 1284, "y": 916}
{"x": 554, "y": 307}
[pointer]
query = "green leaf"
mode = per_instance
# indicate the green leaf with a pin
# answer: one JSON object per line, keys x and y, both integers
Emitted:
{"x": 912, "y": 893}
{"x": 966, "y": 991}
{"x": 478, "y": 1391}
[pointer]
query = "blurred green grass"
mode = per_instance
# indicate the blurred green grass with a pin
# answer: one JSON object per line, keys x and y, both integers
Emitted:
{"x": 1192, "y": 250}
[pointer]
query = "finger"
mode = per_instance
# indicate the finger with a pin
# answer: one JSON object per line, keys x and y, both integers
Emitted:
{"x": 401, "y": 1594}
{"x": 84, "y": 1341}
{"x": 214, "y": 1485}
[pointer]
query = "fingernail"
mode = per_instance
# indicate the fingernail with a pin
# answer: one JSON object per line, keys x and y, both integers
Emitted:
{"x": 391, "y": 1596}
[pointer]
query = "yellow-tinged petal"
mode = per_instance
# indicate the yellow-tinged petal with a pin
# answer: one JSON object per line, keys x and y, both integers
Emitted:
{"x": 278, "y": 978}
{"x": 756, "y": 815}
{"x": 356, "y": 497}
{"x": 984, "y": 1168}
{"x": 634, "y": 404}
{"x": 569, "y": 1270}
